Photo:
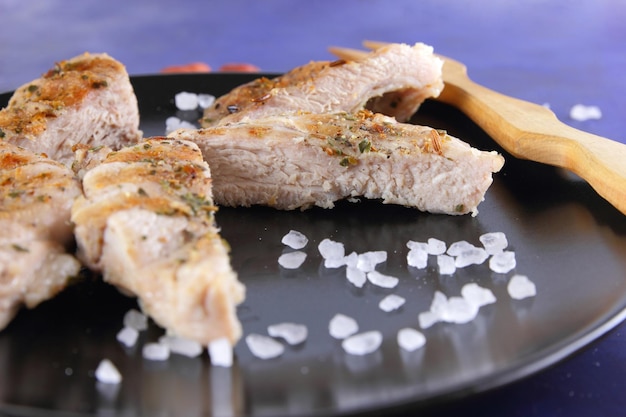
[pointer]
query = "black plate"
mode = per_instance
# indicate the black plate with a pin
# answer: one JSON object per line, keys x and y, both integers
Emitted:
{"x": 569, "y": 241}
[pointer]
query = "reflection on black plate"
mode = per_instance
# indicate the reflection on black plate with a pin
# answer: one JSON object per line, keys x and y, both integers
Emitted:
{"x": 567, "y": 240}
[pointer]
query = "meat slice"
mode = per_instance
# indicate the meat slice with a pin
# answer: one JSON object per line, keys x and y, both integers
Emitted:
{"x": 394, "y": 79}
{"x": 35, "y": 204}
{"x": 146, "y": 220}
{"x": 87, "y": 99}
{"x": 302, "y": 160}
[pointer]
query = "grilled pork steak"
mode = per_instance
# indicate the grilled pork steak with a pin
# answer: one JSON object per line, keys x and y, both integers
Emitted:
{"x": 87, "y": 99}
{"x": 300, "y": 160}
{"x": 405, "y": 75}
{"x": 37, "y": 195}
{"x": 146, "y": 221}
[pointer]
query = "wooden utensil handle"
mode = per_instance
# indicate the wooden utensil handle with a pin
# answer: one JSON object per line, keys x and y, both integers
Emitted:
{"x": 533, "y": 132}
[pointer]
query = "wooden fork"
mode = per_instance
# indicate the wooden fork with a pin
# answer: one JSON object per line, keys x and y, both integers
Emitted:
{"x": 530, "y": 131}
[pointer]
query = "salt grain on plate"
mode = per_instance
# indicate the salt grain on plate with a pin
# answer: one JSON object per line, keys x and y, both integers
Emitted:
{"x": 410, "y": 339}
{"x": 411, "y": 244}
{"x": 435, "y": 246}
{"x": 477, "y": 295}
{"x": 292, "y": 260}
{"x": 264, "y": 347}
{"x": 470, "y": 256}
{"x": 135, "y": 320}
{"x": 182, "y": 346}
{"x": 456, "y": 248}
{"x": 173, "y": 123}
{"x": 292, "y": 333}
{"x": 333, "y": 263}
{"x": 295, "y": 240}
{"x": 351, "y": 260}
{"x": 356, "y": 276}
{"x": 367, "y": 261}
{"x": 502, "y": 262}
{"x": 127, "y": 336}
{"x": 329, "y": 249}
{"x": 155, "y": 352}
{"x": 363, "y": 343}
{"x": 521, "y": 287}
{"x": 439, "y": 302}
{"x": 494, "y": 242}
{"x": 107, "y": 373}
{"x": 459, "y": 310}
{"x": 582, "y": 113}
{"x": 417, "y": 258}
{"x": 205, "y": 100}
{"x": 445, "y": 264}
{"x": 391, "y": 302}
{"x": 382, "y": 280}
{"x": 342, "y": 326}
{"x": 427, "y": 319}
{"x": 186, "y": 101}
{"x": 221, "y": 352}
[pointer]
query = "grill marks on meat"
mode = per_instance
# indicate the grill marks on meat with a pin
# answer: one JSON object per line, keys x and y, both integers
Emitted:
{"x": 146, "y": 220}
{"x": 301, "y": 160}
{"x": 87, "y": 99}
{"x": 37, "y": 195}
{"x": 394, "y": 80}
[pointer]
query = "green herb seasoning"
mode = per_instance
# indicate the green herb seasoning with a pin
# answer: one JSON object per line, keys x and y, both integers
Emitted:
{"x": 365, "y": 146}
{"x": 19, "y": 248}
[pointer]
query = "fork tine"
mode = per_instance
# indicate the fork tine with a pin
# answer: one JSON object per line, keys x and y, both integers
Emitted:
{"x": 348, "y": 54}
{"x": 374, "y": 45}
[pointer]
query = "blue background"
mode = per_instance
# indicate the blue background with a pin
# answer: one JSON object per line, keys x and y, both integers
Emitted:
{"x": 559, "y": 52}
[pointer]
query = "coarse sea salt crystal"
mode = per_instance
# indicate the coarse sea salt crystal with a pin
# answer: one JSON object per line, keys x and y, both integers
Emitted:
{"x": 477, "y": 295}
{"x": 417, "y": 258}
{"x": 456, "y": 248}
{"x": 342, "y": 326}
{"x": 427, "y": 319}
{"x": 186, "y": 101}
{"x": 333, "y": 263}
{"x": 173, "y": 123}
{"x": 127, "y": 336}
{"x": 382, "y": 280}
{"x": 205, "y": 100}
{"x": 391, "y": 302}
{"x": 155, "y": 352}
{"x": 329, "y": 249}
{"x": 221, "y": 352}
{"x": 494, "y": 242}
{"x": 502, "y": 262}
{"x": 264, "y": 347}
{"x": 410, "y": 339}
{"x": 459, "y": 310}
{"x": 363, "y": 343}
{"x": 292, "y": 260}
{"x": 582, "y": 113}
{"x": 445, "y": 265}
{"x": 107, "y": 373}
{"x": 520, "y": 287}
{"x": 182, "y": 346}
{"x": 367, "y": 261}
{"x": 292, "y": 333}
{"x": 470, "y": 256}
{"x": 351, "y": 260}
{"x": 411, "y": 244}
{"x": 356, "y": 276}
{"x": 438, "y": 305}
{"x": 295, "y": 240}
{"x": 435, "y": 246}
{"x": 135, "y": 320}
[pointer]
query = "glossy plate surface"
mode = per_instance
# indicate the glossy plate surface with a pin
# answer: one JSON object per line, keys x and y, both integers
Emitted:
{"x": 567, "y": 240}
